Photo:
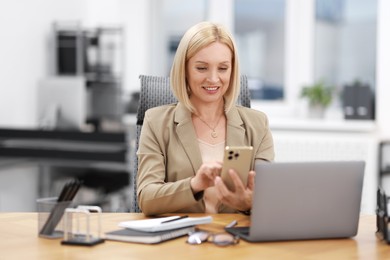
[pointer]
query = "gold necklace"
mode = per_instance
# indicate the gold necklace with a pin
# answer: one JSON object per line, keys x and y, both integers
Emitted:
{"x": 213, "y": 133}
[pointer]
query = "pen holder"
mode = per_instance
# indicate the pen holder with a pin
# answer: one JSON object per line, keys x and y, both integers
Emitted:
{"x": 82, "y": 226}
{"x": 50, "y": 216}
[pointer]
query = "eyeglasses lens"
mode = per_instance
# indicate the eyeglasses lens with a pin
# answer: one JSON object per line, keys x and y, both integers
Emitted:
{"x": 224, "y": 239}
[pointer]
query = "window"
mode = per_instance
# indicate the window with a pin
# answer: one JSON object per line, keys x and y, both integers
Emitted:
{"x": 260, "y": 35}
{"x": 172, "y": 18}
{"x": 283, "y": 45}
{"x": 345, "y": 43}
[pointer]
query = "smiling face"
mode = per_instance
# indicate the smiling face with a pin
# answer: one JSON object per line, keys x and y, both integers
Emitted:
{"x": 208, "y": 74}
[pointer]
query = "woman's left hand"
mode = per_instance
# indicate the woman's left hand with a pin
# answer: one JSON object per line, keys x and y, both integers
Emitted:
{"x": 241, "y": 198}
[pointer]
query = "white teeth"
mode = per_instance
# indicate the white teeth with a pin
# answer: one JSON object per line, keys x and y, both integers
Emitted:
{"x": 211, "y": 89}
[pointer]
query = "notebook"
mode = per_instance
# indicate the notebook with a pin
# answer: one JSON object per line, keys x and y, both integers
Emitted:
{"x": 136, "y": 236}
{"x": 164, "y": 223}
{"x": 304, "y": 200}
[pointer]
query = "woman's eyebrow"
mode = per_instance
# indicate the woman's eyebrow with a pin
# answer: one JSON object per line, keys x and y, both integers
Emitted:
{"x": 223, "y": 62}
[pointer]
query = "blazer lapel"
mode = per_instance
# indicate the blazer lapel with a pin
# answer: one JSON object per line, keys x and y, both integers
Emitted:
{"x": 235, "y": 131}
{"x": 187, "y": 136}
{"x": 235, "y": 136}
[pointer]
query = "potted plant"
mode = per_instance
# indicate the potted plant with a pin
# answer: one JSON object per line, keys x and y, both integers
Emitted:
{"x": 319, "y": 96}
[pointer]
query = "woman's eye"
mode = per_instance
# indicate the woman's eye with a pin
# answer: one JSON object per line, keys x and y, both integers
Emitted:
{"x": 223, "y": 69}
{"x": 201, "y": 68}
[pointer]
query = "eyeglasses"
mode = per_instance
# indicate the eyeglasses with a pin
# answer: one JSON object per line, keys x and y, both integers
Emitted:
{"x": 382, "y": 217}
{"x": 219, "y": 239}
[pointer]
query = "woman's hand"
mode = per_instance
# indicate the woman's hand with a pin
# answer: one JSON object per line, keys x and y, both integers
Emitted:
{"x": 241, "y": 198}
{"x": 205, "y": 176}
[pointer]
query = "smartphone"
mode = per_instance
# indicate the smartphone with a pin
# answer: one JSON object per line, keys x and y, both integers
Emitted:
{"x": 238, "y": 158}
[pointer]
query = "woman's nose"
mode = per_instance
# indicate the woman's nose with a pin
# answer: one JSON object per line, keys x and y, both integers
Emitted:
{"x": 213, "y": 76}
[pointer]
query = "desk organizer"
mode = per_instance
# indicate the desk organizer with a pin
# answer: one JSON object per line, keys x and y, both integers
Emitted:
{"x": 51, "y": 210}
{"x": 382, "y": 216}
{"x": 50, "y": 213}
{"x": 82, "y": 226}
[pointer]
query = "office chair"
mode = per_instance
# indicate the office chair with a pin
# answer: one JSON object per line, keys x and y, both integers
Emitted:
{"x": 156, "y": 91}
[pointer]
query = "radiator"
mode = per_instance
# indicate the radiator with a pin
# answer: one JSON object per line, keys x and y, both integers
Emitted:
{"x": 332, "y": 146}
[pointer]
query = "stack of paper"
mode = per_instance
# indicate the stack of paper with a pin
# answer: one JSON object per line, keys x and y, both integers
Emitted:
{"x": 156, "y": 230}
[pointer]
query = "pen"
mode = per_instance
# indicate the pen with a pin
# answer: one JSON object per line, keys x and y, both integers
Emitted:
{"x": 231, "y": 224}
{"x": 174, "y": 219}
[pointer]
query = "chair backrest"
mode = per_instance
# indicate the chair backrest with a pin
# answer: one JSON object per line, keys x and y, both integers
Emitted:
{"x": 156, "y": 91}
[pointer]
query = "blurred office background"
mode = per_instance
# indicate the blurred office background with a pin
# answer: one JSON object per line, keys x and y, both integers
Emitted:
{"x": 75, "y": 64}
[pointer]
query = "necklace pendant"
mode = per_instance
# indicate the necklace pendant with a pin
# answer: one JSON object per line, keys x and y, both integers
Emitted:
{"x": 214, "y": 134}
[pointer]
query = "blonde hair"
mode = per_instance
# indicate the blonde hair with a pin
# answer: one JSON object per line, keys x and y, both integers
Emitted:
{"x": 195, "y": 39}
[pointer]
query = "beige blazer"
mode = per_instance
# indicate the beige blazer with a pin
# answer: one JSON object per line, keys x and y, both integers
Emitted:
{"x": 169, "y": 155}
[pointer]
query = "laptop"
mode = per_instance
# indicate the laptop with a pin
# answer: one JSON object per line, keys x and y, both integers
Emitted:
{"x": 304, "y": 200}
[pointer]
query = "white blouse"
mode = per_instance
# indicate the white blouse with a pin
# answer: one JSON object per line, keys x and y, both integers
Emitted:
{"x": 211, "y": 152}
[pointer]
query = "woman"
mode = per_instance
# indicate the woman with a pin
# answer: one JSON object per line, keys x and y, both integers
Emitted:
{"x": 181, "y": 145}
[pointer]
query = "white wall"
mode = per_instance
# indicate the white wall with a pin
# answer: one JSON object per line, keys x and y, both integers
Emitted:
{"x": 382, "y": 74}
{"x": 134, "y": 17}
{"x": 26, "y": 27}
{"x": 19, "y": 188}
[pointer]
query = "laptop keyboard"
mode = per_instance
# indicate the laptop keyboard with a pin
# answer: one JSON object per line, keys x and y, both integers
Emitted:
{"x": 239, "y": 231}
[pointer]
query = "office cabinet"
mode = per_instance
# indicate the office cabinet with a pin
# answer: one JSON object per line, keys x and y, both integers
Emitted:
{"x": 96, "y": 54}
{"x": 384, "y": 160}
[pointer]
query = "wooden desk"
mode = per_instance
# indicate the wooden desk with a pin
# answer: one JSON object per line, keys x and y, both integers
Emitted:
{"x": 19, "y": 240}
